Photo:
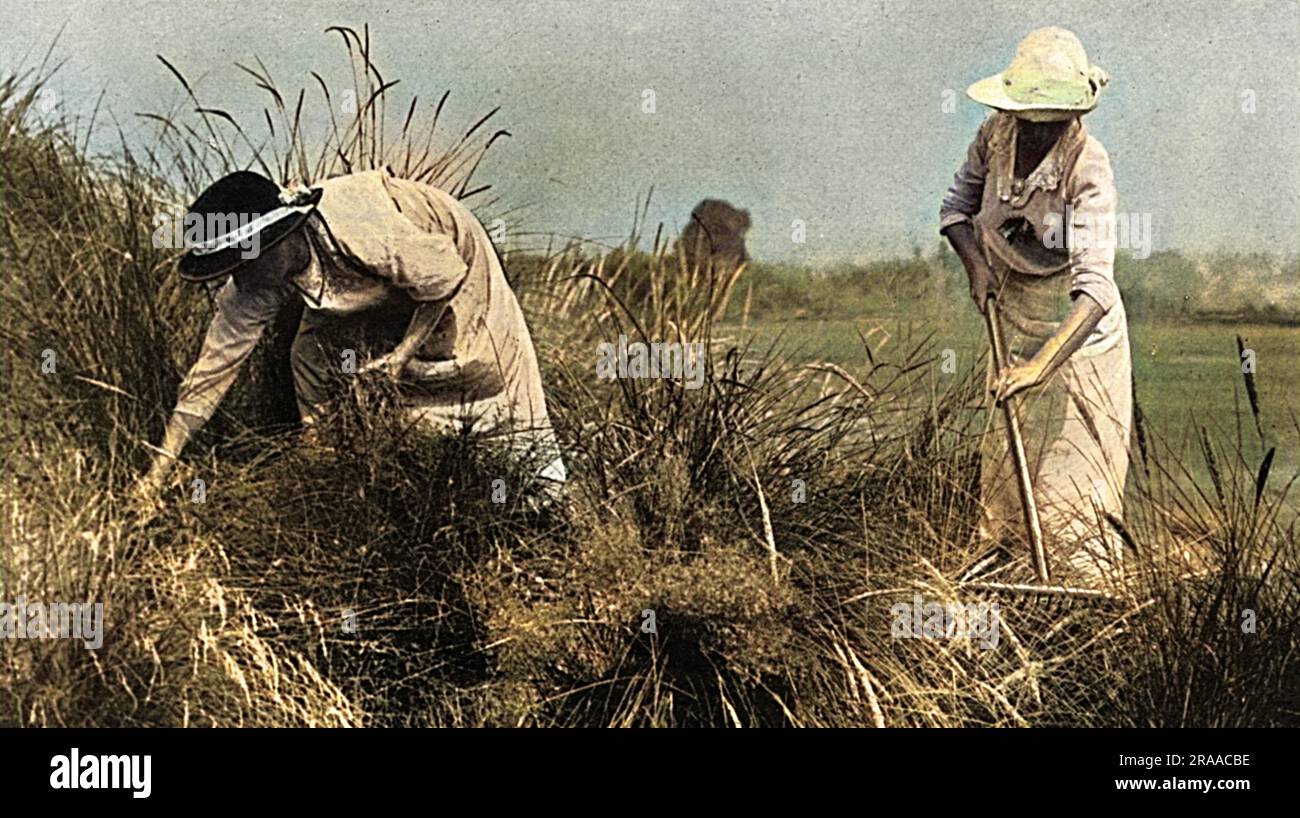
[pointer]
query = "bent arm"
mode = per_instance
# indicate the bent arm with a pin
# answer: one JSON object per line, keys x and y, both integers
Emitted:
{"x": 961, "y": 235}
{"x": 242, "y": 315}
{"x": 962, "y": 199}
{"x": 413, "y": 246}
{"x": 1092, "y": 260}
{"x": 1083, "y": 318}
{"x": 1092, "y": 265}
{"x": 960, "y": 204}
{"x": 423, "y": 322}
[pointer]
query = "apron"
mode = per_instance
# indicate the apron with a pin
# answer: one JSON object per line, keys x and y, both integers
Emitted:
{"x": 1076, "y": 425}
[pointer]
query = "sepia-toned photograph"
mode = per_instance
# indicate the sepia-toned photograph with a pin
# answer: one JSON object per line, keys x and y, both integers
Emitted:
{"x": 748, "y": 363}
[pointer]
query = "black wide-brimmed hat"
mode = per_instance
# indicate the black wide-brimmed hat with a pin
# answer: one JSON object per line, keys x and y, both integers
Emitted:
{"x": 234, "y": 209}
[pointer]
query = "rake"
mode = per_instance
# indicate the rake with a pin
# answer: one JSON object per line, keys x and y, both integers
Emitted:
{"x": 1042, "y": 592}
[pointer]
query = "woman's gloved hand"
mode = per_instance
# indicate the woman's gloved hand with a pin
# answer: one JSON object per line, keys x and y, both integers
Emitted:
{"x": 144, "y": 500}
{"x": 1056, "y": 350}
{"x": 145, "y": 496}
{"x": 1015, "y": 379}
{"x": 388, "y": 366}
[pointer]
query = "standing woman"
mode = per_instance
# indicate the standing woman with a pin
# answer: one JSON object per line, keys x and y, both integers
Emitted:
{"x": 1031, "y": 213}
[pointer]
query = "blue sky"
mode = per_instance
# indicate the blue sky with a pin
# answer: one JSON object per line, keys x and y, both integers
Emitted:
{"x": 829, "y": 113}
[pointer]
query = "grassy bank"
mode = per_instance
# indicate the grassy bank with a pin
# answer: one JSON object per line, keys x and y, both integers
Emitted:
{"x": 768, "y": 521}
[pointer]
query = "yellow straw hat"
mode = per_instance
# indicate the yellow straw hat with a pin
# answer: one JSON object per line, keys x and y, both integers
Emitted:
{"x": 1050, "y": 78}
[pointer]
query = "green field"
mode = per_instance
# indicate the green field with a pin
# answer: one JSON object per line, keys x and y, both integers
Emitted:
{"x": 1187, "y": 372}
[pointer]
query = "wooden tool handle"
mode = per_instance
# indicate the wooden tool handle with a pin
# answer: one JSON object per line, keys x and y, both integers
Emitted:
{"x": 1016, "y": 442}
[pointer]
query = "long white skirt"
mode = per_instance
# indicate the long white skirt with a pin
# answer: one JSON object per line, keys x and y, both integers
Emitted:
{"x": 1076, "y": 432}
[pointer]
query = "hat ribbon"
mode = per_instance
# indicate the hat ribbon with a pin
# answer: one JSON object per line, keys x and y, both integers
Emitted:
{"x": 244, "y": 232}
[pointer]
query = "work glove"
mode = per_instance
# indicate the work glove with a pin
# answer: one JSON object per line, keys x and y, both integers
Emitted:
{"x": 388, "y": 366}
{"x": 1015, "y": 379}
{"x": 144, "y": 500}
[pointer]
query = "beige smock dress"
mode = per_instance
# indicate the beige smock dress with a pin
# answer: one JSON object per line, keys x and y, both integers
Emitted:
{"x": 1048, "y": 238}
{"x": 380, "y": 247}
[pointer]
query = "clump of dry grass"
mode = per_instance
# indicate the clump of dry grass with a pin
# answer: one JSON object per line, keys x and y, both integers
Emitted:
{"x": 195, "y": 146}
{"x": 768, "y": 520}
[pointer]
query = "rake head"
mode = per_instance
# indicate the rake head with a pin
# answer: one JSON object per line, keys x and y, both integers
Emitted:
{"x": 1050, "y": 600}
